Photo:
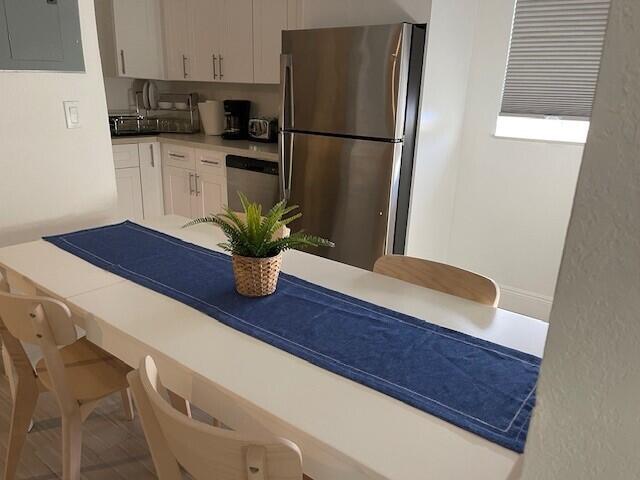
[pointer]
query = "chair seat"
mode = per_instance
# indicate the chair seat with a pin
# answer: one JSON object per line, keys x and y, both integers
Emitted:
{"x": 91, "y": 372}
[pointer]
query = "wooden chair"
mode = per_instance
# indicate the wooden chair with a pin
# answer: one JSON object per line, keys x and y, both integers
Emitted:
{"x": 441, "y": 277}
{"x": 79, "y": 374}
{"x": 205, "y": 451}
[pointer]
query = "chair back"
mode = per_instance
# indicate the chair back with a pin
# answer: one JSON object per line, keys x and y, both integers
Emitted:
{"x": 16, "y": 361}
{"x": 43, "y": 321}
{"x": 210, "y": 452}
{"x": 439, "y": 276}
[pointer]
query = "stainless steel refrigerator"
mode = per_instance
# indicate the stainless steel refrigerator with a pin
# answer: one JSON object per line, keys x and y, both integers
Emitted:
{"x": 350, "y": 101}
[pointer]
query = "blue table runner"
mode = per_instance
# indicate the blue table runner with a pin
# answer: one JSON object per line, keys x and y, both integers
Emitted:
{"x": 482, "y": 387}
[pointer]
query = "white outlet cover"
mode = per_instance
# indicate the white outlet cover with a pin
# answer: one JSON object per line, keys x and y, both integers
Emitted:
{"x": 72, "y": 113}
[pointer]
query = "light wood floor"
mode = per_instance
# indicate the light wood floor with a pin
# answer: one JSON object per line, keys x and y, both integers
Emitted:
{"x": 112, "y": 448}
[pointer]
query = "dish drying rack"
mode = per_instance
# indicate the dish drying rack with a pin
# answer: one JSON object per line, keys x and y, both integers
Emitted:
{"x": 169, "y": 120}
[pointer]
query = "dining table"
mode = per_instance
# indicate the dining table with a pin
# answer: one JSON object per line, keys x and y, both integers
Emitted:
{"x": 346, "y": 431}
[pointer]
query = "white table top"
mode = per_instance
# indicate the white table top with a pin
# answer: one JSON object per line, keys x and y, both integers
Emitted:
{"x": 350, "y": 422}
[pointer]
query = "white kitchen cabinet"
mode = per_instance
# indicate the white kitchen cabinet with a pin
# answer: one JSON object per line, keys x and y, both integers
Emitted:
{"x": 130, "y": 37}
{"x": 178, "y": 184}
{"x": 270, "y": 18}
{"x": 204, "y": 21}
{"x": 236, "y": 54}
{"x": 211, "y": 194}
{"x": 151, "y": 179}
{"x": 194, "y": 181}
{"x": 139, "y": 180}
{"x": 129, "y": 193}
{"x": 178, "y": 39}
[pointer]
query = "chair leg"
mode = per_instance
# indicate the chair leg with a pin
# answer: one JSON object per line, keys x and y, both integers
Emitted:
{"x": 71, "y": 446}
{"x": 24, "y": 404}
{"x": 127, "y": 404}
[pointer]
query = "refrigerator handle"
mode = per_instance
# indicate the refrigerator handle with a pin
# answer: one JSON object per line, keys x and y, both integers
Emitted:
{"x": 286, "y": 82}
{"x": 286, "y": 156}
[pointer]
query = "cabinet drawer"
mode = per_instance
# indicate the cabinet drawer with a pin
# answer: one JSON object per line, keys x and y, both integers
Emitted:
{"x": 211, "y": 161}
{"x": 126, "y": 156}
{"x": 178, "y": 156}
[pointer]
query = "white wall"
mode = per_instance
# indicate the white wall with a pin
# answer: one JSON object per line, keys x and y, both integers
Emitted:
{"x": 338, "y": 13}
{"x": 586, "y": 424}
{"x": 442, "y": 110}
{"x": 53, "y": 178}
{"x": 513, "y": 198}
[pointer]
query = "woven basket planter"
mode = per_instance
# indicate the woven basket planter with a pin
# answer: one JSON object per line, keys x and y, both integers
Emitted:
{"x": 256, "y": 277}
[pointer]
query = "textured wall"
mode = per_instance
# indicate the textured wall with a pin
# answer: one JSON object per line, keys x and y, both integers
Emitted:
{"x": 587, "y": 423}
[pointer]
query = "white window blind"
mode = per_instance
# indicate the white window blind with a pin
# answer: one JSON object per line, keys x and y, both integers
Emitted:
{"x": 554, "y": 57}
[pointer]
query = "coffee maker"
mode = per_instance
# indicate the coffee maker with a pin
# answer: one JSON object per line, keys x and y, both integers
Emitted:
{"x": 236, "y": 114}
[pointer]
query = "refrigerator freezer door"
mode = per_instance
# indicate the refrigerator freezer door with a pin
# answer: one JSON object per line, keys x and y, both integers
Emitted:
{"x": 347, "y": 81}
{"x": 346, "y": 190}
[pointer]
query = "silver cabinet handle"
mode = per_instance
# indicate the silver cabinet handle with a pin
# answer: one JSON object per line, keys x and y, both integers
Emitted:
{"x": 220, "y": 63}
{"x": 209, "y": 162}
{"x": 213, "y": 60}
{"x": 175, "y": 155}
{"x": 153, "y": 157}
{"x": 190, "y": 184}
{"x": 184, "y": 66}
{"x": 197, "y": 191}
{"x": 124, "y": 68}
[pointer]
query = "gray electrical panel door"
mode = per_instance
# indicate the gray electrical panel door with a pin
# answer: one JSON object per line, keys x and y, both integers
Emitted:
{"x": 40, "y": 35}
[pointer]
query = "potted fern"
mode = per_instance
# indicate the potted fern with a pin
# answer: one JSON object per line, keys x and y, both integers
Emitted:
{"x": 256, "y": 243}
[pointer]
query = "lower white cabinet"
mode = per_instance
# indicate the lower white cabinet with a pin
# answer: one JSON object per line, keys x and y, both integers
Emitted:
{"x": 193, "y": 192}
{"x": 129, "y": 193}
{"x": 139, "y": 180}
{"x": 178, "y": 190}
{"x": 211, "y": 194}
{"x": 151, "y": 179}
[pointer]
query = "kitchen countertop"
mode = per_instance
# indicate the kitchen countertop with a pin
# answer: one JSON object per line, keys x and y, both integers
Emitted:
{"x": 262, "y": 151}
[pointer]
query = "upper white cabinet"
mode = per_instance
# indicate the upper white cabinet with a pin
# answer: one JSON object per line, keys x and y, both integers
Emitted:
{"x": 178, "y": 39}
{"x": 236, "y": 54}
{"x": 206, "y": 37}
{"x": 130, "y": 37}
{"x": 209, "y": 40}
{"x": 233, "y": 41}
{"x": 270, "y": 18}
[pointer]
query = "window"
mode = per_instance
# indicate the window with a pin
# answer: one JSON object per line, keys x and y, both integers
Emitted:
{"x": 552, "y": 70}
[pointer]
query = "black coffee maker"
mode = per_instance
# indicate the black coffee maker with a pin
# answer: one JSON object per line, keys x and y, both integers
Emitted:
{"x": 236, "y": 114}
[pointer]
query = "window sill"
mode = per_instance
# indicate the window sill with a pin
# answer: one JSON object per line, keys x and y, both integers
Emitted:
{"x": 537, "y": 140}
{"x": 547, "y": 130}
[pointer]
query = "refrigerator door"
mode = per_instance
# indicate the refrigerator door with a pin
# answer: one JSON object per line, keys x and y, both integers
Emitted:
{"x": 348, "y": 81}
{"x": 346, "y": 190}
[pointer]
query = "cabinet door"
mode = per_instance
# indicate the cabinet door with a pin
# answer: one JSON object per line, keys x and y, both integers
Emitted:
{"x": 236, "y": 62}
{"x": 178, "y": 42}
{"x": 269, "y": 20}
{"x": 151, "y": 179}
{"x": 179, "y": 190}
{"x": 204, "y": 21}
{"x": 211, "y": 194}
{"x": 129, "y": 193}
{"x": 138, "y": 38}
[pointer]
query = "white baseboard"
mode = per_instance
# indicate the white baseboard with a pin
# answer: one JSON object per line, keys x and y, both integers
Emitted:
{"x": 525, "y": 302}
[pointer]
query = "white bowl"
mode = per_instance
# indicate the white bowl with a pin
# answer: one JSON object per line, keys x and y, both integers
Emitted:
{"x": 165, "y": 105}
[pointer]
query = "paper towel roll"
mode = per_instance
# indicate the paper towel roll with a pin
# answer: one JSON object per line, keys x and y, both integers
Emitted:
{"x": 212, "y": 117}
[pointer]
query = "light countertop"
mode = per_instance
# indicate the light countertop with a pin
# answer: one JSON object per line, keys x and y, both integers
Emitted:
{"x": 262, "y": 151}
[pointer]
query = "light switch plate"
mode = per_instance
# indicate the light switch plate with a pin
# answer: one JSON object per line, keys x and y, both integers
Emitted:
{"x": 72, "y": 113}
